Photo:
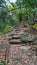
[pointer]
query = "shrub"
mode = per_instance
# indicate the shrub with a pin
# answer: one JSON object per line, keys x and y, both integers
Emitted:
{"x": 7, "y": 28}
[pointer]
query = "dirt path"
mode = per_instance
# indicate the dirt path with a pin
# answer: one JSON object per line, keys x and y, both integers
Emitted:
{"x": 20, "y": 54}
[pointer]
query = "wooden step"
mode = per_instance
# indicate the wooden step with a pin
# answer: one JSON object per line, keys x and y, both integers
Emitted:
{"x": 15, "y": 41}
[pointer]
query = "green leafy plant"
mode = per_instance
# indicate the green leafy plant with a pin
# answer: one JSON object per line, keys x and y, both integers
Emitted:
{"x": 3, "y": 62}
{"x": 35, "y": 26}
{"x": 7, "y": 28}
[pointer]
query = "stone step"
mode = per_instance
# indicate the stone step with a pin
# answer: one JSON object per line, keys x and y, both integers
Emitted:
{"x": 15, "y": 41}
{"x": 16, "y": 37}
{"x": 15, "y": 34}
{"x": 16, "y": 29}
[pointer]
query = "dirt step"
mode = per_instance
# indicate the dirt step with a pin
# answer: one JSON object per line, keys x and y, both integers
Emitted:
{"x": 15, "y": 41}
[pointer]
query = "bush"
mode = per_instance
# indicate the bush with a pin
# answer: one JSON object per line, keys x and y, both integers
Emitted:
{"x": 30, "y": 22}
{"x": 7, "y": 28}
{"x": 28, "y": 38}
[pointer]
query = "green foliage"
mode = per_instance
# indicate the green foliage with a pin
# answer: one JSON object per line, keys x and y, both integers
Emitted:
{"x": 30, "y": 22}
{"x": 27, "y": 12}
{"x": 1, "y": 33}
{"x": 3, "y": 62}
{"x": 18, "y": 11}
{"x": 12, "y": 13}
{"x": 10, "y": 7}
{"x": 14, "y": 19}
{"x": 30, "y": 3}
{"x": 35, "y": 26}
{"x": 7, "y": 28}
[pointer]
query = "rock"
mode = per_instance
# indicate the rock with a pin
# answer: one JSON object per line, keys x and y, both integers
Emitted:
{"x": 25, "y": 47}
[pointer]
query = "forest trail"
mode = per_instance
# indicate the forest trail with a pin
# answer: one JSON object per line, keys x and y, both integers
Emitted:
{"x": 18, "y": 54}
{"x": 15, "y": 36}
{"x": 21, "y": 54}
